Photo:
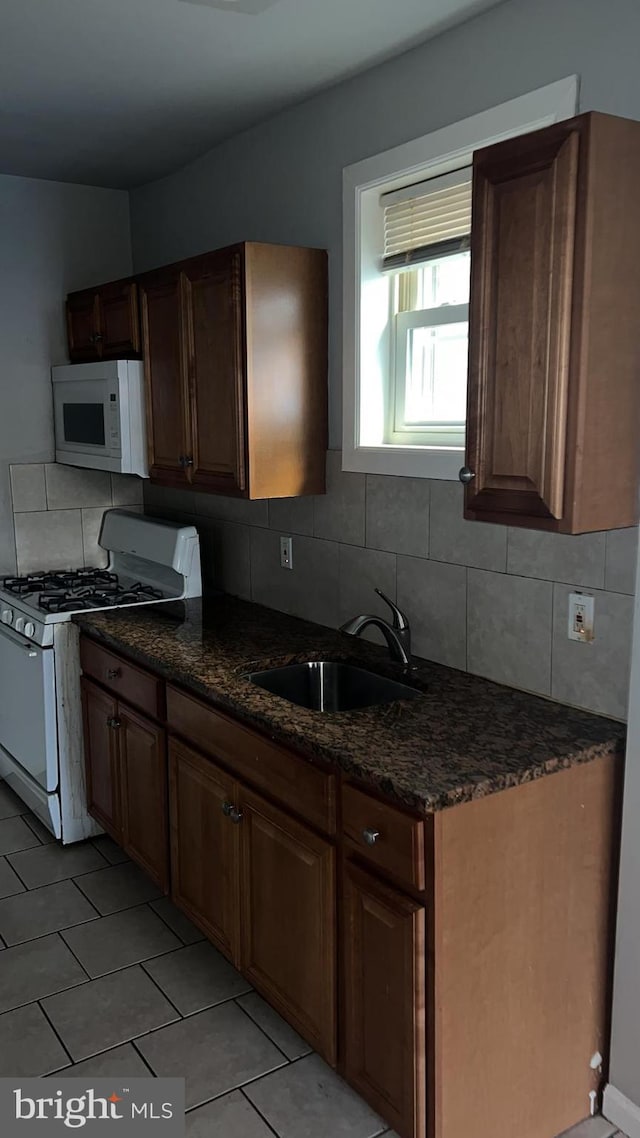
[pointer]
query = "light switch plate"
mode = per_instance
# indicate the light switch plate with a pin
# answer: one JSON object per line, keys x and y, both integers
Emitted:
{"x": 286, "y": 552}
{"x": 581, "y": 613}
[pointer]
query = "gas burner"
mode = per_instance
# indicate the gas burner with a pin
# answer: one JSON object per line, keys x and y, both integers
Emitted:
{"x": 59, "y": 602}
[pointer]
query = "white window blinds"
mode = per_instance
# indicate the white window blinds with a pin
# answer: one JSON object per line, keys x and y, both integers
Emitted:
{"x": 427, "y": 220}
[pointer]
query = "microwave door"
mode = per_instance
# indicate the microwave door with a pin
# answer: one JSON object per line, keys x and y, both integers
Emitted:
{"x": 86, "y": 419}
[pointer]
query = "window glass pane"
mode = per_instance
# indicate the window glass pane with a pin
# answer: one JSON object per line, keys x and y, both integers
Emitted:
{"x": 445, "y": 281}
{"x": 436, "y": 381}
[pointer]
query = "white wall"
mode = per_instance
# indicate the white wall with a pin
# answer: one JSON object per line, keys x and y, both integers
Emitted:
{"x": 54, "y": 237}
{"x": 282, "y": 180}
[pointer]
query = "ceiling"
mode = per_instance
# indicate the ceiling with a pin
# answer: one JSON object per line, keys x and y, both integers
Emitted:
{"x": 119, "y": 92}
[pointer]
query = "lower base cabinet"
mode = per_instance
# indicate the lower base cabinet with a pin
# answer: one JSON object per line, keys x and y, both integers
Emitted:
{"x": 383, "y": 941}
{"x": 264, "y": 893}
{"x": 288, "y": 895}
{"x": 204, "y": 846}
{"x": 126, "y": 770}
{"x": 410, "y": 952}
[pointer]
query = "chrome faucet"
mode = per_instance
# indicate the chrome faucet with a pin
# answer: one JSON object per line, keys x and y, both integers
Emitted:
{"x": 397, "y": 635}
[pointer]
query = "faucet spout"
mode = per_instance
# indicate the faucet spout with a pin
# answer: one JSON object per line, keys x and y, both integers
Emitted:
{"x": 398, "y": 642}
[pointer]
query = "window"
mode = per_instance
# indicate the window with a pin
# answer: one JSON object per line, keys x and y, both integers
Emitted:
{"x": 407, "y": 219}
{"x": 426, "y": 256}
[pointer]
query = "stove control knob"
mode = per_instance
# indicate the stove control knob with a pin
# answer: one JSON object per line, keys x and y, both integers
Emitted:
{"x": 7, "y": 616}
{"x": 19, "y": 623}
{"x": 29, "y": 629}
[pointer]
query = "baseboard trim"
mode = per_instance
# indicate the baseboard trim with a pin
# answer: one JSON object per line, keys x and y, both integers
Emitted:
{"x": 621, "y": 1111}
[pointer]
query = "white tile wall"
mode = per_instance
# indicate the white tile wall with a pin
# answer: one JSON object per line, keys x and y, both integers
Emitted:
{"x": 57, "y": 513}
{"x": 490, "y": 599}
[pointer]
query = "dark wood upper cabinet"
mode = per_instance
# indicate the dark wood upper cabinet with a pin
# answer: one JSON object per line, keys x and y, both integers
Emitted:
{"x": 103, "y": 323}
{"x": 554, "y": 354}
{"x": 235, "y": 346}
{"x": 165, "y": 347}
{"x": 213, "y": 322}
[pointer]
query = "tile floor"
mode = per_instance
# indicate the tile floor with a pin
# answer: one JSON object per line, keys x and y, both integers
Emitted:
{"x": 101, "y": 975}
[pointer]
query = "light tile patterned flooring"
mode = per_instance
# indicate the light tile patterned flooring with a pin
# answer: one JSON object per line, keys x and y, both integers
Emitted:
{"x": 101, "y": 975}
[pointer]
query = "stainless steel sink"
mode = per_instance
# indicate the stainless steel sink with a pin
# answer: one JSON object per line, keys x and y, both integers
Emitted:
{"x": 324, "y": 685}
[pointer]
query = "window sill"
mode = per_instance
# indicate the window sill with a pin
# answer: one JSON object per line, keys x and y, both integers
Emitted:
{"x": 409, "y": 461}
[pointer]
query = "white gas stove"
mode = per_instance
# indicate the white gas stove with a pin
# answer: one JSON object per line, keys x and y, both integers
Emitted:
{"x": 150, "y": 562}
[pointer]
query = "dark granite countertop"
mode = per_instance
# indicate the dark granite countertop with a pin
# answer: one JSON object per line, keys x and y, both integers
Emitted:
{"x": 465, "y": 737}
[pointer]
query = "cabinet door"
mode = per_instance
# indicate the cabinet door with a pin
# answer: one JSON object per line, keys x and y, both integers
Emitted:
{"x": 167, "y": 406}
{"x": 383, "y": 935}
{"x": 522, "y": 244}
{"x": 213, "y": 319}
{"x": 289, "y": 920}
{"x": 143, "y": 780}
{"x": 101, "y": 758}
{"x": 83, "y": 326}
{"x": 204, "y": 845}
{"x": 119, "y": 320}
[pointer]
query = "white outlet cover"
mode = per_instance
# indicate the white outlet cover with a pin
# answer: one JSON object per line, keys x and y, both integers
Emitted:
{"x": 248, "y": 7}
{"x": 581, "y": 617}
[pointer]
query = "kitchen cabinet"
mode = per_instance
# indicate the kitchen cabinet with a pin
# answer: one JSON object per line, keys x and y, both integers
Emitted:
{"x": 103, "y": 322}
{"x": 554, "y": 355}
{"x": 126, "y": 776}
{"x": 143, "y": 792}
{"x": 235, "y": 347}
{"x": 168, "y": 426}
{"x": 384, "y": 977}
{"x": 424, "y": 956}
{"x": 205, "y": 848}
{"x": 101, "y": 759}
{"x": 288, "y": 898}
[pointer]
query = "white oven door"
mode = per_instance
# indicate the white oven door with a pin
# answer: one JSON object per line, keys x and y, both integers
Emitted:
{"x": 28, "y": 731}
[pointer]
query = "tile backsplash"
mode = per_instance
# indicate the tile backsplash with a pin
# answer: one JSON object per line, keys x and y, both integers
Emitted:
{"x": 488, "y": 599}
{"x": 57, "y": 513}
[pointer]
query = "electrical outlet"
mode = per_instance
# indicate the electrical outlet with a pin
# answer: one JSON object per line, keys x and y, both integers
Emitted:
{"x": 286, "y": 552}
{"x": 581, "y": 607}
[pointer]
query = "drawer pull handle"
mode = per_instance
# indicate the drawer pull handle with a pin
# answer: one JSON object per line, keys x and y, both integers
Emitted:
{"x": 370, "y": 837}
{"x": 114, "y": 673}
{"x": 232, "y": 812}
{"x": 113, "y": 722}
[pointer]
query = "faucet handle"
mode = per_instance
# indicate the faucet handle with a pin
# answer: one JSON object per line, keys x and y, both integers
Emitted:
{"x": 400, "y": 620}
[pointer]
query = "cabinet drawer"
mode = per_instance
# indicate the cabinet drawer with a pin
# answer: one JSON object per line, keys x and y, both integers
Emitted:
{"x": 124, "y": 679}
{"x": 307, "y": 788}
{"x": 396, "y": 839}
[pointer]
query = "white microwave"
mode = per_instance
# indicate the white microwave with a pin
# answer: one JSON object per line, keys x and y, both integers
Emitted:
{"x": 99, "y": 416}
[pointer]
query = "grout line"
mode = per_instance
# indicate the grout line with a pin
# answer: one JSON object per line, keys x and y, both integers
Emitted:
{"x": 259, "y": 1026}
{"x": 185, "y": 944}
{"x": 138, "y": 1052}
{"x": 258, "y": 1112}
{"x": 163, "y": 994}
{"x": 56, "y": 1033}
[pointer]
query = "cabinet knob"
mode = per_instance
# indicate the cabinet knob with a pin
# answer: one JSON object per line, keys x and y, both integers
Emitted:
{"x": 232, "y": 812}
{"x": 466, "y": 475}
{"x": 95, "y": 338}
{"x": 113, "y": 722}
{"x": 113, "y": 673}
{"x": 370, "y": 837}
{"x": 185, "y": 460}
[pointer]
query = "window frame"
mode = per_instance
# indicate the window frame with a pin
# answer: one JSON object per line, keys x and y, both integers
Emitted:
{"x": 367, "y": 329}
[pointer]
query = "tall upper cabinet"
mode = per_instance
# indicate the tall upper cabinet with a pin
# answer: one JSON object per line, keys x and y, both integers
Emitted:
{"x": 235, "y": 348}
{"x": 554, "y": 341}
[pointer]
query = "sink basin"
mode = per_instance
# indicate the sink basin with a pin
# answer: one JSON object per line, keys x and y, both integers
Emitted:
{"x": 327, "y": 686}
